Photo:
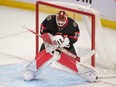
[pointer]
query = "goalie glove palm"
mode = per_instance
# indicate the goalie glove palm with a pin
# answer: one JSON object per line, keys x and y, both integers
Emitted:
{"x": 65, "y": 43}
{"x": 57, "y": 40}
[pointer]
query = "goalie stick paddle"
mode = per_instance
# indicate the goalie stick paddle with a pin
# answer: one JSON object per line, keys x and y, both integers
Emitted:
{"x": 69, "y": 60}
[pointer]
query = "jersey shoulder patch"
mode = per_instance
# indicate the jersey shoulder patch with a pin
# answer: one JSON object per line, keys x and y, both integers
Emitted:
{"x": 75, "y": 24}
{"x": 49, "y": 17}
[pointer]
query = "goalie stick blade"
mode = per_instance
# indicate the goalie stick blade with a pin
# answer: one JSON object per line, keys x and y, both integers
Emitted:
{"x": 68, "y": 53}
{"x": 42, "y": 58}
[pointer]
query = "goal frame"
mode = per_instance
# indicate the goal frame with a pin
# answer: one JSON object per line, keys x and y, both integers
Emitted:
{"x": 67, "y": 9}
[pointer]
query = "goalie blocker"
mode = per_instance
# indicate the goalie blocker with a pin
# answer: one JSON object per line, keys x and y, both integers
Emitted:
{"x": 61, "y": 56}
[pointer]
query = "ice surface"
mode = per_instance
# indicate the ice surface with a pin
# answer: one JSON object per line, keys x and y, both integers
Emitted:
{"x": 18, "y": 45}
{"x": 11, "y": 75}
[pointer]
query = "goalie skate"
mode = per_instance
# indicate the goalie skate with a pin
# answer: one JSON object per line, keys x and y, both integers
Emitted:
{"x": 28, "y": 74}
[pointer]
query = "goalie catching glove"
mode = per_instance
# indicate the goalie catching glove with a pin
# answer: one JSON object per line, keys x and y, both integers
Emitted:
{"x": 65, "y": 43}
{"x": 59, "y": 41}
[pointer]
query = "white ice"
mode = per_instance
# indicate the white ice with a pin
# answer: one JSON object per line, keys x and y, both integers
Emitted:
{"x": 18, "y": 45}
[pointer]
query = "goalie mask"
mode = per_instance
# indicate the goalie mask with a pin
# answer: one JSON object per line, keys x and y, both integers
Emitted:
{"x": 61, "y": 18}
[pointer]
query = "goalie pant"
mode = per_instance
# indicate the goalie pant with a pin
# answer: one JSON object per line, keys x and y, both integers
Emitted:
{"x": 44, "y": 59}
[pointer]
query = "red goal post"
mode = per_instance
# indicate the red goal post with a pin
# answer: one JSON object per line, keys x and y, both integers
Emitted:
{"x": 38, "y": 3}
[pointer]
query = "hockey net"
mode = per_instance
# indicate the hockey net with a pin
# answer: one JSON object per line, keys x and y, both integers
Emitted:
{"x": 90, "y": 29}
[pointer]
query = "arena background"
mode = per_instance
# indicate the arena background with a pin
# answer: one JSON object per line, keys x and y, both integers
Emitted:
{"x": 105, "y": 7}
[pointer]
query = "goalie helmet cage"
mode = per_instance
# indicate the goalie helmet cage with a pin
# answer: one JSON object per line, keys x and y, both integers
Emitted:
{"x": 38, "y": 3}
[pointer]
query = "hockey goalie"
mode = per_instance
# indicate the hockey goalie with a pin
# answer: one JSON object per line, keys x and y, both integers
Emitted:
{"x": 59, "y": 33}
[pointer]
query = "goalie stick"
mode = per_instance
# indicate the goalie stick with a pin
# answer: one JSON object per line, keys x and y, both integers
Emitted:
{"x": 86, "y": 57}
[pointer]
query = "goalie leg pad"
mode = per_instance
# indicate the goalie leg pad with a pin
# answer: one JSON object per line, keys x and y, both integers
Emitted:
{"x": 42, "y": 58}
{"x": 68, "y": 62}
{"x": 34, "y": 68}
{"x": 45, "y": 61}
{"x": 76, "y": 67}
